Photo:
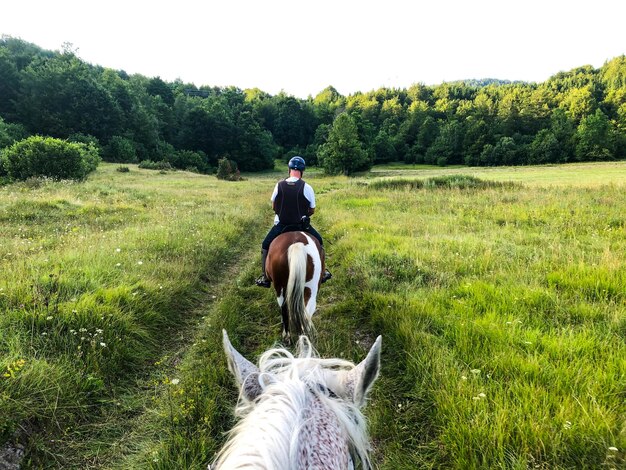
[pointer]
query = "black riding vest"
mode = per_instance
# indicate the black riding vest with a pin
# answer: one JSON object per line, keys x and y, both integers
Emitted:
{"x": 291, "y": 205}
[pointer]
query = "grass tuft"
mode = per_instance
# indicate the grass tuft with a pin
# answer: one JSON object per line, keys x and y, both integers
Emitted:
{"x": 448, "y": 182}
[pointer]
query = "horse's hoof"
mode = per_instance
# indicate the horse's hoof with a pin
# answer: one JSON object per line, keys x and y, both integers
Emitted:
{"x": 263, "y": 282}
{"x": 286, "y": 339}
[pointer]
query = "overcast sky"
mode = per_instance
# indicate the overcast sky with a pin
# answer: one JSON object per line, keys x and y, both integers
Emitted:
{"x": 302, "y": 47}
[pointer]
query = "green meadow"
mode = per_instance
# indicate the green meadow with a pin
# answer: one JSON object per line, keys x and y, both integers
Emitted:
{"x": 500, "y": 294}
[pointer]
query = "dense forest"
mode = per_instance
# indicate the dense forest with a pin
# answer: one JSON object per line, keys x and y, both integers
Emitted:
{"x": 578, "y": 115}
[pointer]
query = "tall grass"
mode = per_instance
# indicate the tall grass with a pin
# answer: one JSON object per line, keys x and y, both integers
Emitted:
{"x": 97, "y": 279}
{"x": 504, "y": 314}
{"x": 500, "y": 298}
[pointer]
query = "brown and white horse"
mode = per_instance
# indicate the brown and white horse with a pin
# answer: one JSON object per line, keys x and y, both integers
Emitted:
{"x": 295, "y": 265}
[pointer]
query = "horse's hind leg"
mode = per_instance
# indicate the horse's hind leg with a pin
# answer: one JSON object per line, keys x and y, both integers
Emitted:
{"x": 285, "y": 314}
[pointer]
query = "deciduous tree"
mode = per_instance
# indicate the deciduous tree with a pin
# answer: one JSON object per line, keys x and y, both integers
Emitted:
{"x": 343, "y": 151}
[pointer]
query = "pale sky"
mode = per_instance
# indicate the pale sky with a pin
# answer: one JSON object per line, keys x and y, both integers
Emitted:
{"x": 301, "y": 47}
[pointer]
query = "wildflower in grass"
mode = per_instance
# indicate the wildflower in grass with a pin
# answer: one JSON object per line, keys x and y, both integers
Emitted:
{"x": 118, "y": 265}
{"x": 14, "y": 368}
{"x": 104, "y": 345}
{"x": 613, "y": 449}
{"x": 567, "y": 425}
{"x": 118, "y": 249}
{"x": 175, "y": 381}
{"x": 140, "y": 262}
{"x": 463, "y": 377}
{"x": 482, "y": 395}
{"x": 49, "y": 317}
{"x": 475, "y": 371}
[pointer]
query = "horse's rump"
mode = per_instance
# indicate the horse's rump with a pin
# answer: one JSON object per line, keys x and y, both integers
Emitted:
{"x": 295, "y": 265}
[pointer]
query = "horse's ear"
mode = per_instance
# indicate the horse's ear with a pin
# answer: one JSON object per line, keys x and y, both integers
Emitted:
{"x": 362, "y": 377}
{"x": 246, "y": 374}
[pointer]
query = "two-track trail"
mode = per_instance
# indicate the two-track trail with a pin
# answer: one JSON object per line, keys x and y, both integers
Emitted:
{"x": 188, "y": 402}
{"x": 138, "y": 424}
{"x": 147, "y": 427}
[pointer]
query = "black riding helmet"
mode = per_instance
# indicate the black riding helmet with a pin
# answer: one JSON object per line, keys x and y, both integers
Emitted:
{"x": 297, "y": 163}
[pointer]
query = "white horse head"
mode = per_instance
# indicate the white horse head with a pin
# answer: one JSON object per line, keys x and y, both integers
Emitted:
{"x": 299, "y": 411}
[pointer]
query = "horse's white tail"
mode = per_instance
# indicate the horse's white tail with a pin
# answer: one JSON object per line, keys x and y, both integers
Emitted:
{"x": 299, "y": 322}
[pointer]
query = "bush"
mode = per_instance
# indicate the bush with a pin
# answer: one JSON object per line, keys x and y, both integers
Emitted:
{"x": 188, "y": 160}
{"x": 57, "y": 159}
{"x": 84, "y": 139}
{"x": 150, "y": 165}
{"x": 11, "y": 133}
{"x": 443, "y": 182}
{"x": 227, "y": 170}
{"x": 3, "y": 170}
{"x": 120, "y": 150}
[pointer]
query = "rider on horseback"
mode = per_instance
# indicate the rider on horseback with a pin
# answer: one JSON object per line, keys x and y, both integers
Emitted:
{"x": 293, "y": 201}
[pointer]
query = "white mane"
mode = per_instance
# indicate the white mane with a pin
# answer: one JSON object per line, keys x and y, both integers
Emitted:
{"x": 273, "y": 426}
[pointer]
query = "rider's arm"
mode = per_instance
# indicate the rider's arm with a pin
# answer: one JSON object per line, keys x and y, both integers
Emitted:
{"x": 273, "y": 198}
{"x": 309, "y": 194}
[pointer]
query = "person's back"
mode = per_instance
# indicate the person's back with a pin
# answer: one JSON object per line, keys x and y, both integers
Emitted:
{"x": 291, "y": 204}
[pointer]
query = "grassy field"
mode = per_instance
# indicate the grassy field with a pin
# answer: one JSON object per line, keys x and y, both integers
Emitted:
{"x": 501, "y": 299}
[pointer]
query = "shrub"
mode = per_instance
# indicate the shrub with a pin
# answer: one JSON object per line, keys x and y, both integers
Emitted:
{"x": 163, "y": 151}
{"x": 123, "y": 169}
{"x": 227, "y": 170}
{"x": 444, "y": 182}
{"x": 10, "y": 133}
{"x": 187, "y": 160}
{"x": 3, "y": 170}
{"x": 120, "y": 149}
{"x": 84, "y": 139}
{"x": 57, "y": 159}
{"x": 150, "y": 165}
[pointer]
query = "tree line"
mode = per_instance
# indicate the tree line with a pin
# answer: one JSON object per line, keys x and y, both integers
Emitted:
{"x": 578, "y": 115}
